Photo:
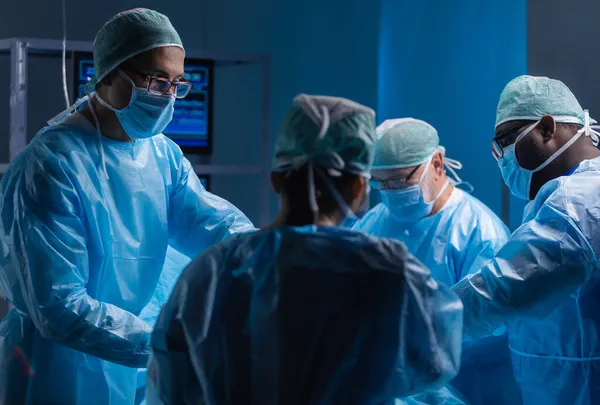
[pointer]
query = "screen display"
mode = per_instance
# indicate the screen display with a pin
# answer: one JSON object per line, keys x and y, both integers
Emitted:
{"x": 192, "y": 119}
{"x": 205, "y": 180}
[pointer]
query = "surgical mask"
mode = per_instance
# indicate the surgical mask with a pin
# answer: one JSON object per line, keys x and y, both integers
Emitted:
{"x": 408, "y": 204}
{"x": 518, "y": 179}
{"x": 146, "y": 115}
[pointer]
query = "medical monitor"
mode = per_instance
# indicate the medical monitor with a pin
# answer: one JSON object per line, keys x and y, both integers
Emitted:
{"x": 191, "y": 127}
{"x": 205, "y": 180}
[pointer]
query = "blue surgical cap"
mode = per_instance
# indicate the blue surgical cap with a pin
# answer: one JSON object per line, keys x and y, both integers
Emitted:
{"x": 332, "y": 132}
{"x": 404, "y": 142}
{"x": 128, "y": 34}
{"x": 530, "y": 98}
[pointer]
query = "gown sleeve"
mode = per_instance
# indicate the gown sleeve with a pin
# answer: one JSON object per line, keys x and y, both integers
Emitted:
{"x": 50, "y": 263}
{"x": 544, "y": 261}
{"x": 199, "y": 219}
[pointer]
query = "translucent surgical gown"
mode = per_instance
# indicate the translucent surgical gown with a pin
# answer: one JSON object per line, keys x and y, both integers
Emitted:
{"x": 308, "y": 315}
{"x": 457, "y": 241}
{"x": 545, "y": 284}
{"x": 81, "y": 256}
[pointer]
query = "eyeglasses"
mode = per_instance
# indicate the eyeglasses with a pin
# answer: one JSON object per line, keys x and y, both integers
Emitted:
{"x": 159, "y": 86}
{"x": 393, "y": 183}
{"x": 505, "y": 139}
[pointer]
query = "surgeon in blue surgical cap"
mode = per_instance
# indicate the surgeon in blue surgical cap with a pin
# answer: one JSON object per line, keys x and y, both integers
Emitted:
{"x": 545, "y": 282}
{"x": 306, "y": 312}
{"x": 88, "y": 210}
{"x": 450, "y": 231}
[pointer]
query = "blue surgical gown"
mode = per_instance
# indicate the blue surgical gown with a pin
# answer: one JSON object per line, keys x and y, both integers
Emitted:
{"x": 81, "y": 255}
{"x": 175, "y": 262}
{"x": 309, "y": 315}
{"x": 458, "y": 240}
{"x": 545, "y": 284}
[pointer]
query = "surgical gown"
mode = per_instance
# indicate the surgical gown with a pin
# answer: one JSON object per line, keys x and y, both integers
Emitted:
{"x": 81, "y": 256}
{"x": 309, "y": 315}
{"x": 457, "y": 241}
{"x": 175, "y": 262}
{"x": 545, "y": 284}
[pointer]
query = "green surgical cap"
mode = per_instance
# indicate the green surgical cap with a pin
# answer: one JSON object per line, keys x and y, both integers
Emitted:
{"x": 404, "y": 142}
{"x": 530, "y": 98}
{"x": 331, "y": 132}
{"x": 128, "y": 34}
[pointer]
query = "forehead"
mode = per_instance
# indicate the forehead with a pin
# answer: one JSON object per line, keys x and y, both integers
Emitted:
{"x": 384, "y": 174}
{"x": 510, "y": 125}
{"x": 166, "y": 59}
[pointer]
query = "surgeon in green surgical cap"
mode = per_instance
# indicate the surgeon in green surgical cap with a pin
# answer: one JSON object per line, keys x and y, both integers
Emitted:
{"x": 306, "y": 312}
{"x": 88, "y": 211}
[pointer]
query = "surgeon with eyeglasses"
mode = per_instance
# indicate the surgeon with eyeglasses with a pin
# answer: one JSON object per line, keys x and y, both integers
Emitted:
{"x": 545, "y": 282}
{"x": 451, "y": 232}
{"x": 88, "y": 212}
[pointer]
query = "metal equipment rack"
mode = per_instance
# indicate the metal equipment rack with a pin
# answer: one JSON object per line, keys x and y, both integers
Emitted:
{"x": 20, "y": 48}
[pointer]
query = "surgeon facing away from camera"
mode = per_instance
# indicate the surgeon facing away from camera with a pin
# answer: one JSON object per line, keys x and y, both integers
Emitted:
{"x": 87, "y": 212}
{"x": 544, "y": 283}
{"x": 447, "y": 229}
{"x": 305, "y": 312}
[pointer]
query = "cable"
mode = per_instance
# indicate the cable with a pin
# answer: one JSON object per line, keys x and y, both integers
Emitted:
{"x": 64, "y": 54}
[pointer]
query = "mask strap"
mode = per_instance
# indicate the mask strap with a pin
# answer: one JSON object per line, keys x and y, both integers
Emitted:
{"x": 425, "y": 170}
{"x": 337, "y": 162}
{"x": 452, "y": 166}
{"x": 586, "y": 130}
{"x": 589, "y": 128}
{"x": 444, "y": 188}
{"x": 133, "y": 87}
{"x": 93, "y": 111}
{"x": 525, "y": 132}
{"x": 338, "y": 197}
{"x": 104, "y": 103}
{"x": 64, "y": 114}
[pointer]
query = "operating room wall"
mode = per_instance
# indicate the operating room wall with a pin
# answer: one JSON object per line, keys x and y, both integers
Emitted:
{"x": 316, "y": 46}
{"x": 563, "y": 44}
{"x": 446, "y": 63}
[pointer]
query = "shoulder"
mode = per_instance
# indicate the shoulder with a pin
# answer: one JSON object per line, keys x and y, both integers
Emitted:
{"x": 479, "y": 213}
{"x": 574, "y": 197}
{"x": 372, "y": 219}
{"x": 60, "y": 140}
{"x": 48, "y": 156}
{"x": 169, "y": 151}
{"x": 475, "y": 219}
{"x": 166, "y": 144}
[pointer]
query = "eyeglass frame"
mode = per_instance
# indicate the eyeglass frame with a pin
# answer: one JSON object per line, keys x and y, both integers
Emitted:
{"x": 149, "y": 78}
{"x": 375, "y": 184}
{"x": 507, "y": 138}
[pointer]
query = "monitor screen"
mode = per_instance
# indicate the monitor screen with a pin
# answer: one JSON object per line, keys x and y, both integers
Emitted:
{"x": 205, "y": 180}
{"x": 191, "y": 127}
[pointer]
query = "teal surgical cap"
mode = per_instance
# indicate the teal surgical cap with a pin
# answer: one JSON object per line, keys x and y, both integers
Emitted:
{"x": 530, "y": 98}
{"x": 331, "y": 132}
{"x": 128, "y": 34}
{"x": 404, "y": 142}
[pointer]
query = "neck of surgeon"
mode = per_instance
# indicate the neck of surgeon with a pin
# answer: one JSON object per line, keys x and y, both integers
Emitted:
{"x": 444, "y": 197}
{"x": 333, "y": 198}
{"x": 582, "y": 149}
{"x": 110, "y": 126}
{"x": 288, "y": 215}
